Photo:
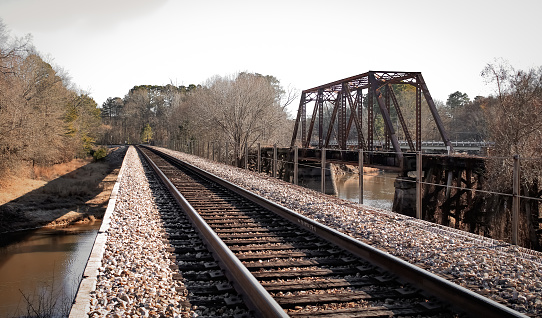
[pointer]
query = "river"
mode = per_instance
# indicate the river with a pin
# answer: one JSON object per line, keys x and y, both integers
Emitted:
{"x": 44, "y": 265}
{"x": 378, "y": 188}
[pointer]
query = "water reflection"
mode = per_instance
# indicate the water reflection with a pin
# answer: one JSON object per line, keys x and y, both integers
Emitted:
{"x": 42, "y": 263}
{"x": 378, "y": 189}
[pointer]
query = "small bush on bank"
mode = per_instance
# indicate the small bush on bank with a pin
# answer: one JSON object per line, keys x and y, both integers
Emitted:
{"x": 99, "y": 154}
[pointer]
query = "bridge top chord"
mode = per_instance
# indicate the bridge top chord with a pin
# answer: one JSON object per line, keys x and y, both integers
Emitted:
{"x": 362, "y": 81}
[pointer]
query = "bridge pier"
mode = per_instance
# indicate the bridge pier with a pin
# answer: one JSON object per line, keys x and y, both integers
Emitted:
{"x": 404, "y": 199}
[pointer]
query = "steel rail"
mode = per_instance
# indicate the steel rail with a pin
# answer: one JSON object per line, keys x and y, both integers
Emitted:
{"x": 254, "y": 294}
{"x": 459, "y": 297}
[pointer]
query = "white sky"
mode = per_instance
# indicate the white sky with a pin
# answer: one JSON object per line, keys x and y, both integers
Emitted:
{"x": 109, "y": 46}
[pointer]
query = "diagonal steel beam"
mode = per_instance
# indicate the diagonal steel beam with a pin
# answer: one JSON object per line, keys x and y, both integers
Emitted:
{"x": 401, "y": 119}
{"x": 313, "y": 119}
{"x": 355, "y": 106}
{"x": 298, "y": 119}
{"x": 434, "y": 111}
{"x": 387, "y": 119}
{"x": 331, "y": 123}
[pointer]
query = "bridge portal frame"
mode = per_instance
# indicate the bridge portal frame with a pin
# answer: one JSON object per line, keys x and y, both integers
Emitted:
{"x": 347, "y": 94}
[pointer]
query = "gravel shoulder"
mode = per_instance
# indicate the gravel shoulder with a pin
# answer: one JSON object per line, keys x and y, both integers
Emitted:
{"x": 134, "y": 277}
{"x": 503, "y": 272}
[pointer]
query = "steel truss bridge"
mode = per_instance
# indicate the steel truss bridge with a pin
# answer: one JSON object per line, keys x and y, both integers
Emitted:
{"x": 347, "y": 95}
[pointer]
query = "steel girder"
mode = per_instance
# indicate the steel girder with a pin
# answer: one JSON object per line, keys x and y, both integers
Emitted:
{"x": 346, "y": 97}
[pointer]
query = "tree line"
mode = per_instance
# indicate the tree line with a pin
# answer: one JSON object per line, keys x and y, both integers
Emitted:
{"x": 241, "y": 109}
{"x": 44, "y": 119}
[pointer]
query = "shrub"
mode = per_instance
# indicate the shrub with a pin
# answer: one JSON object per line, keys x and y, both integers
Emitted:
{"x": 100, "y": 153}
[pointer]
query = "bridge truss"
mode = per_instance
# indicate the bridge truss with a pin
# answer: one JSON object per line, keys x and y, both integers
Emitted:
{"x": 347, "y": 96}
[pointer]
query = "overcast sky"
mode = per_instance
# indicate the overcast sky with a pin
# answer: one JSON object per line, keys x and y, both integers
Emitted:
{"x": 109, "y": 46}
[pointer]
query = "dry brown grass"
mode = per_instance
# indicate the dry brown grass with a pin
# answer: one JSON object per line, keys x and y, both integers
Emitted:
{"x": 56, "y": 192}
{"x": 52, "y": 172}
{"x": 14, "y": 186}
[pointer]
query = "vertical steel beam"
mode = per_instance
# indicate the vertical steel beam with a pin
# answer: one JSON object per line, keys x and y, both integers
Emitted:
{"x": 342, "y": 134}
{"x": 346, "y": 132}
{"x": 340, "y": 128}
{"x": 361, "y": 140}
{"x": 303, "y": 119}
{"x": 419, "y": 166}
{"x": 370, "y": 119}
{"x": 360, "y": 168}
{"x": 296, "y": 165}
{"x": 320, "y": 117}
{"x": 323, "y": 171}
{"x": 418, "y": 119}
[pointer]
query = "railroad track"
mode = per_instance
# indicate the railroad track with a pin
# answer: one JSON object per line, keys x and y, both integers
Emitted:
{"x": 279, "y": 263}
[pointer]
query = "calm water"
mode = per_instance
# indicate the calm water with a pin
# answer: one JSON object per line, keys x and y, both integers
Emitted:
{"x": 41, "y": 264}
{"x": 378, "y": 189}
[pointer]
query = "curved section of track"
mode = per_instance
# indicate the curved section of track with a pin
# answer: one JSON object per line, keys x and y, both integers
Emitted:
{"x": 282, "y": 262}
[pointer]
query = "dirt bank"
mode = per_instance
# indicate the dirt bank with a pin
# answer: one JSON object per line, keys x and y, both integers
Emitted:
{"x": 61, "y": 195}
{"x": 343, "y": 169}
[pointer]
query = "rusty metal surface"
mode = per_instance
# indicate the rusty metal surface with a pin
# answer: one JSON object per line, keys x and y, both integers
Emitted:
{"x": 346, "y": 98}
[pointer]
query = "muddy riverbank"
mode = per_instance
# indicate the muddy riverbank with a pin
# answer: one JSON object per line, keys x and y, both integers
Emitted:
{"x": 78, "y": 196}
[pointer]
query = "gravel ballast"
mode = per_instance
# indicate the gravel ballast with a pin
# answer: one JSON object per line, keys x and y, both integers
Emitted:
{"x": 505, "y": 273}
{"x": 135, "y": 279}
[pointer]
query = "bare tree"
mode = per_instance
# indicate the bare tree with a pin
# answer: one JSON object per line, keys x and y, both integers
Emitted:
{"x": 515, "y": 125}
{"x": 35, "y": 108}
{"x": 12, "y": 49}
{"x": 243, "y": 109}
{"x": 515, "y": 114}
